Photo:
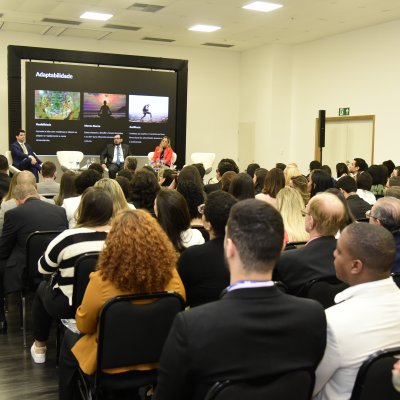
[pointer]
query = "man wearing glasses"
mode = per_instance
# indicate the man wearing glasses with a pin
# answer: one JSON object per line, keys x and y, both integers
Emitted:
{"x": 113, "y": 156}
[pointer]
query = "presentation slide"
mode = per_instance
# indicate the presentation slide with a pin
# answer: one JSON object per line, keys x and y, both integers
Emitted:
{"x": 76, "y": 107}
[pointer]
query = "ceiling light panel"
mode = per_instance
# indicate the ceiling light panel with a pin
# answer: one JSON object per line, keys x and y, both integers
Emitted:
{"x": 96, "y": 16}
{"x": 204, "y": 28}
{"x": 262, "y": 6}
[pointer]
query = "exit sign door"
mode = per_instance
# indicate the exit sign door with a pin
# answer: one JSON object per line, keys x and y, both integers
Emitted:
{"x": 344, "y": 111}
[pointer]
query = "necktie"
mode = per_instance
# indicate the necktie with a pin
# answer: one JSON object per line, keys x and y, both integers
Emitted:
{"x": 118, "y": 155}
{"x": 24, "y": 148}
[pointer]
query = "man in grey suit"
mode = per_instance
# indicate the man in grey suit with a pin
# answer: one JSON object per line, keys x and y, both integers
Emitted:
{"x": 254, "y": 331}
{"x": 113, "y": 156}
{"x": 48, "y": 186}
{"x": 30, "y": 215}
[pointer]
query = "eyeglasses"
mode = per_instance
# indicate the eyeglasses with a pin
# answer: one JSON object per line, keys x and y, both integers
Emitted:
{"x": 200, "y": 209}
{"x": 368, "y": 215}
{"x": 304, "y": 213}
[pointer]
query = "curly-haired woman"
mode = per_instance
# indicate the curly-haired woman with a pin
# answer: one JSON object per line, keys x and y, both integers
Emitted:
{"x": 130, "y": 263}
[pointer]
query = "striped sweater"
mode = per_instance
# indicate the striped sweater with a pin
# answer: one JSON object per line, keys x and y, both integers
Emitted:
{"x": 63, "y": 251}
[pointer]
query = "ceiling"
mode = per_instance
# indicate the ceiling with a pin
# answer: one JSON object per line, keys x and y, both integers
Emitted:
{"x": 298, "y": 21}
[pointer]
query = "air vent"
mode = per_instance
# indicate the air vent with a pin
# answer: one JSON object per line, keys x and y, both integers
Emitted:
{"x": 154, "y": 39}
{"x": 61, "y": 21}
{"x": 122, "y": 27}
{"x": 218, "y": 45}
{"x": 151, "y": 8}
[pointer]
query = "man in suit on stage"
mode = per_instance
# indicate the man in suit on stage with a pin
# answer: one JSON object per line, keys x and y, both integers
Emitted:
{"x": 324, "y": 216}
{"x": 254, "y": 330}
{"x": 113, "y": 156}
{"x": 24, "y": 158}
{"x": 29, "y": 216}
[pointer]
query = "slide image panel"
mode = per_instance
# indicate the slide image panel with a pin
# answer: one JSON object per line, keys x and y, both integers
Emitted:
{"x": 57, "y": 105}
{"x": 153, "y": 109}
{"x": 104, "y": 105}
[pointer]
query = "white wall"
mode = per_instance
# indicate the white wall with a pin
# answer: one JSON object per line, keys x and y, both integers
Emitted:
{"x": 213, "y": 86}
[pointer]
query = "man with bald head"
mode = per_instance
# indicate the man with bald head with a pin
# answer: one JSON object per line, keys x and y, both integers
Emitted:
{"x": 324, "y": 216}
{"x": 386, "y": 212}
{"x": 366, "y": 317}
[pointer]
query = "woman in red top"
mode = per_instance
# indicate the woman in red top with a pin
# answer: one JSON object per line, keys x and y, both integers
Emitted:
{"x": 163, "y": 153}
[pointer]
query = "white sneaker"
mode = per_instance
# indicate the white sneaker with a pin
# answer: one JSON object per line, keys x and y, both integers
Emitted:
{"x": 38, "y": 358}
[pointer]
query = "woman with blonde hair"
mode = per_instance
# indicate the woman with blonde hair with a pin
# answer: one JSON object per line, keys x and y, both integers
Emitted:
{"x": 114, "y": 190}
{"x": 290, "y": 171}
{"x": 290, "y": 204}
{"x": 13, "y": 183}
{"x": 129, "y": 264}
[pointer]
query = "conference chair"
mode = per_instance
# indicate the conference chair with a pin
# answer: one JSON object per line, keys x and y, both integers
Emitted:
{"x": 130, "y": 333}
{"x": 374, "y": 378}
{"x": 292, "y": 385}
{"x": 36, "y": 244}
{"x": 323, "y": 290}
{"x": 207, "y": 159}
{"x": 11, "y": 167}
{"x": 70, "y": 160}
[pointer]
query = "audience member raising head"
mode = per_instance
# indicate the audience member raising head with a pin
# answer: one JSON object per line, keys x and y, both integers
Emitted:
{"x": 129, "y": 264}
{"x": 242, "y": 187}
{"x": 259, "y": 179}
{"x": 274, "y": 182}
{"x": 202, "y": 268}
{"x": 173, "y": 215}
{"x": 290, "y": 204}
{"x": 144, "y": 189}
{"x": 369, "y": 309}
{"x": 55, "y": 300}
{"x": 226, "y": 180}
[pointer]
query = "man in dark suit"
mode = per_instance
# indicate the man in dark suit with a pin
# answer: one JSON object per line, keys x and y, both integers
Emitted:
{"x": 113, "y": 156}
{"x": 324, "y": 217}
{"x": 24, "y": 158}
{"x": 255, "y": 330}
{"x": 225, "y": 165}
{"x": 4, "y": 177}
{"x": 31, "y": 215}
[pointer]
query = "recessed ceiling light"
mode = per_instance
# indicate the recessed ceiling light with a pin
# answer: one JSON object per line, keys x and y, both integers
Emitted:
{"x": 262, "y": 6}
{"x": 204, "y": 28}
{"x": 96, "y": 16}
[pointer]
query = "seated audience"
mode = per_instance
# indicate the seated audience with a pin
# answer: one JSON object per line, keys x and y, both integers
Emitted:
{"x": 201, "y": 169}
{"x": 227, "y": 179}
{"x": 393, "y": 181}
{"x": 300, "y": 183}
{"x": 144, "y": 189}
{"x": 357, "y": 166}
{"x": 30, "y": 215}
{"x": 389, "y": 164}
{"x": 254, "y": 330}
{"x": 290, "y": 205}
{"x": 349, "y": 217}
{"x": 226, "y": 164}
{"x": 136, "y": 269}
{"x": 274, "y": 182}
{"x": 166, "y": 177}
{"x": 126, "y": 187}
{"x": 242, "y": 187}
{"x": 67, "y": 187}
{"x": 251, "y": 169}
{"x": 347, "y": 185}
{"x": 173, "y": 215}
{"x": 341, "y": 170}
{"x": 324, "y": 216}
{"x": 393, "y": 191}
{"x": 396, "y": 172}
{"x": 83, "y": 181}
{"x": 366, "y": 318}
{"x": 319, "y": 181}
{"x": 386, "y": 212}
{"x": 97, "y": 167}
{"x": 125, "y": 173}
{"x": 48, "y": 185}
{"x": 290, "y": 171}
{"x": 281, "y": 166}
{"x": 130, "y": 164}
{"x": 202, "y": 268}
{"x": 259, "y": 179}
{"x": 5, "y": 179}
{"x": 364, "y": 183}
{"x": 53, "y": 299}
{"x": 191, "y": 174}
{"x": 379, "y": 178}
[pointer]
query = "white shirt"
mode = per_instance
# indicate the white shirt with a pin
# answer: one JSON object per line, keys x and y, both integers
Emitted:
{"x": 367, "y": 196}
{"x": 191, "y": 237}
{"x": 366, "y": 320}
{"x": 71, "y": 205}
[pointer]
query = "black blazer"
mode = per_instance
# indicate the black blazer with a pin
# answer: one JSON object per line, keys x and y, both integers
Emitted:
{"x": 19, "y": 223}
{"x": 249, "y": 333}
{"x": 314, "y": 260}
{"x": 212, "y": 187}
{"x": 4, "y": 185}
{"x": 107, "y": 154}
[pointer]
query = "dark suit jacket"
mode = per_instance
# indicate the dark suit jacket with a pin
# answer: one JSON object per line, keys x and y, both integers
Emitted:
{"x": 314, "y": 260}
{"x": 249, "y": 333}
{"x": 4, "y": 184}
{"x": 212, "y": 187}
{"x": 107, "y": 154}
{"x": 18, "y": 155}
{"x": 33, "y": 215}
{"x": 358, "y": 206}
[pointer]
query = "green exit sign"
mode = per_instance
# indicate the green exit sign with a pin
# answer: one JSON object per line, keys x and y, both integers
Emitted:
{"x": 344, "y": 111}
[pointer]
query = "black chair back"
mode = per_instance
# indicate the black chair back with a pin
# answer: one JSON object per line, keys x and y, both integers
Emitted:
{"x": 396, "y": 277}
{"x": 293, "y": 385}
{"x": 84, "y": 265}
{"x": 294, "y": 245}
{"x": 374, "y": 378}
{"x": 36, "y": 244}
{"x": 323, "y": 290}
